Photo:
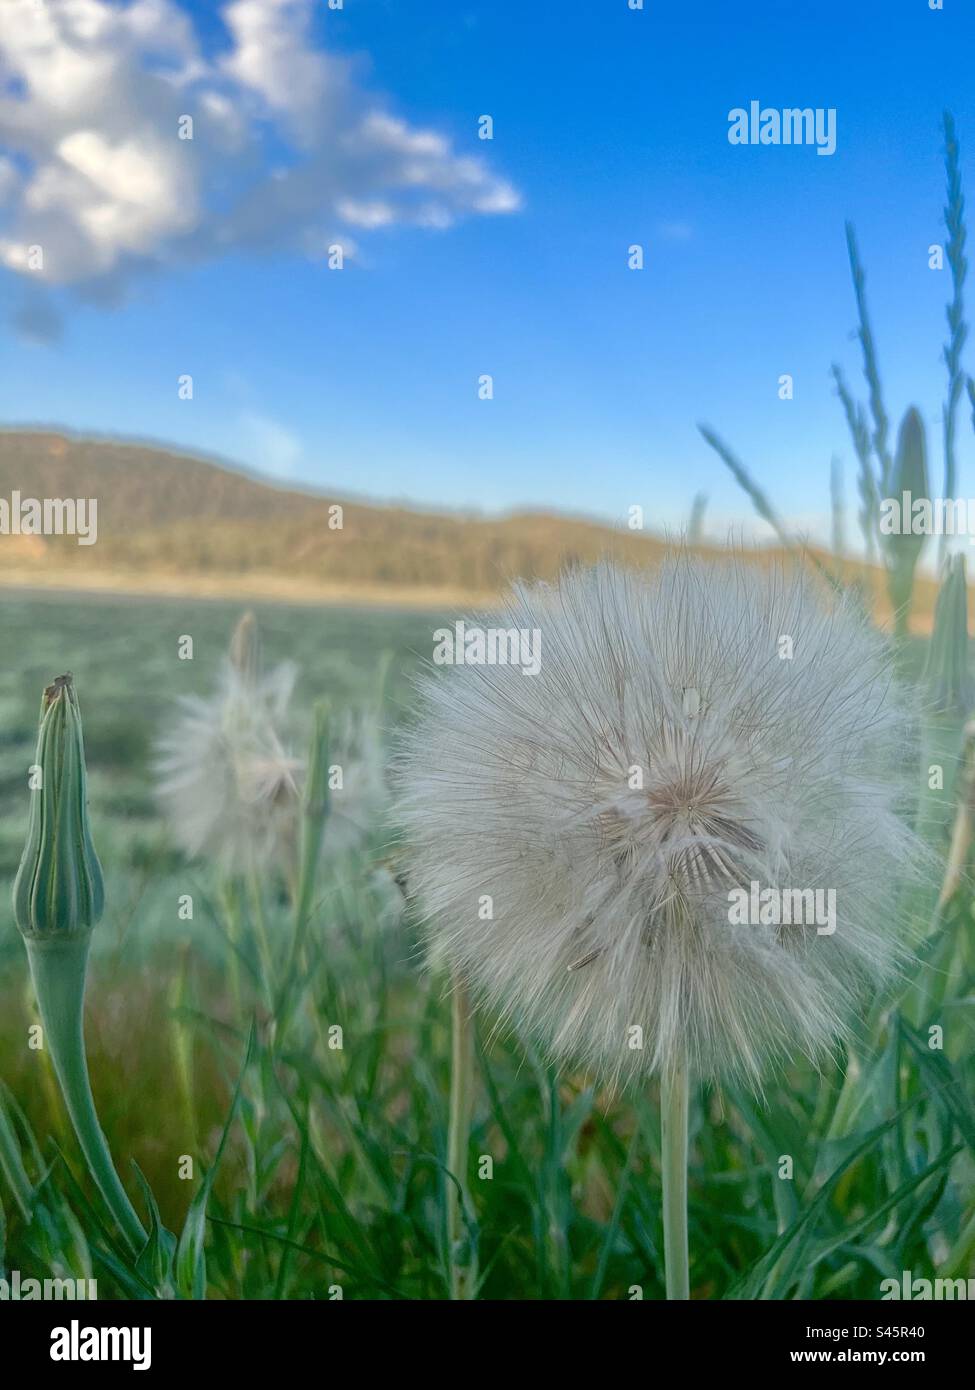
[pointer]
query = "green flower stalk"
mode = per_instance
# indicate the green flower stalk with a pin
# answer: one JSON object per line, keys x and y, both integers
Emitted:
{"x": 58, "y": 898}
{"x": 674, "y": 1103}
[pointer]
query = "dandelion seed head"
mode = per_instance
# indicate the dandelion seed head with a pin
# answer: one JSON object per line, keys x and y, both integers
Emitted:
{"x": 226, "y": 781}
{"x": 664, "y": 754}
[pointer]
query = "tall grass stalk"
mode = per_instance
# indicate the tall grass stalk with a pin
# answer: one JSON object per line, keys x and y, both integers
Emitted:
{"x": 869, "y": 512}
{"x": 761, "y": 502}
{"x": 837, "y": 510}
{"x": 871, "y": 370}
{"x": 955, "y": 312}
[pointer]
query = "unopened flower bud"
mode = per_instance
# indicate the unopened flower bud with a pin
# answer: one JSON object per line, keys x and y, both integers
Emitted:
{"x": 58, "y": 891}
{"x": 910, "y": 476}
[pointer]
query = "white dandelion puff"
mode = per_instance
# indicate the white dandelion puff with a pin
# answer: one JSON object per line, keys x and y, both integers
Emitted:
{"x": 227, "y": 783}
{"x": 700, "y": 729}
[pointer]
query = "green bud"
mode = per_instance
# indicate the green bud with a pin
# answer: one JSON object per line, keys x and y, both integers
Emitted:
{"x": 58, "y": 891}
{"x": 909, "y": 474}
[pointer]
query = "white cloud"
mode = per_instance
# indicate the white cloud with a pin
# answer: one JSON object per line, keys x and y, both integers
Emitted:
{"x": 287, "y": 150}
{"x": 369, "y": 215}
{"x": 273, "y": 56}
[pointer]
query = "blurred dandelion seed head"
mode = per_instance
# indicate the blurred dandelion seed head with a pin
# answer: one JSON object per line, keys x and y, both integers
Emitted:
{"x": 664, "y": 754}
{"x": 226, "y": 780}
{"x": 229, "y": 784}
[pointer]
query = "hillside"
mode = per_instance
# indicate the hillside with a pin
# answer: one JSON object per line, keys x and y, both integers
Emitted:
{"x": 169, "y": 522}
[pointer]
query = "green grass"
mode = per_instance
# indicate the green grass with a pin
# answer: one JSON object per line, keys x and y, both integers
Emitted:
{"x": 332, "y": 1173}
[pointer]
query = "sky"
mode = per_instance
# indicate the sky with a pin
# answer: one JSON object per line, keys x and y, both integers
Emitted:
{"x": 359, "y": 127}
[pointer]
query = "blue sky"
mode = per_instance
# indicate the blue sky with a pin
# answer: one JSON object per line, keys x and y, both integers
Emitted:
{"x": 610, "y": 128}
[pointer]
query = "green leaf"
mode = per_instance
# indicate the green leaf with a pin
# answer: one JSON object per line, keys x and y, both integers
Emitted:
{"x": 797, "y": 1240}
{"x": 190, "y": 1267}
{"x": 155, "y": 1262}
{"x": 944, "y": 1084}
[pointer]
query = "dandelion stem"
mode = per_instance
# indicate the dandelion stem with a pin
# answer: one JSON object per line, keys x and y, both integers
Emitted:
{"x": 58, "y": 968}
{"x": 462, "y": 1271}
{"x": 674, "y": 1096}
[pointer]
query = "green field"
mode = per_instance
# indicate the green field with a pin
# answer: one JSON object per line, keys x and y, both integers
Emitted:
{"x": 333, "y": 1171}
